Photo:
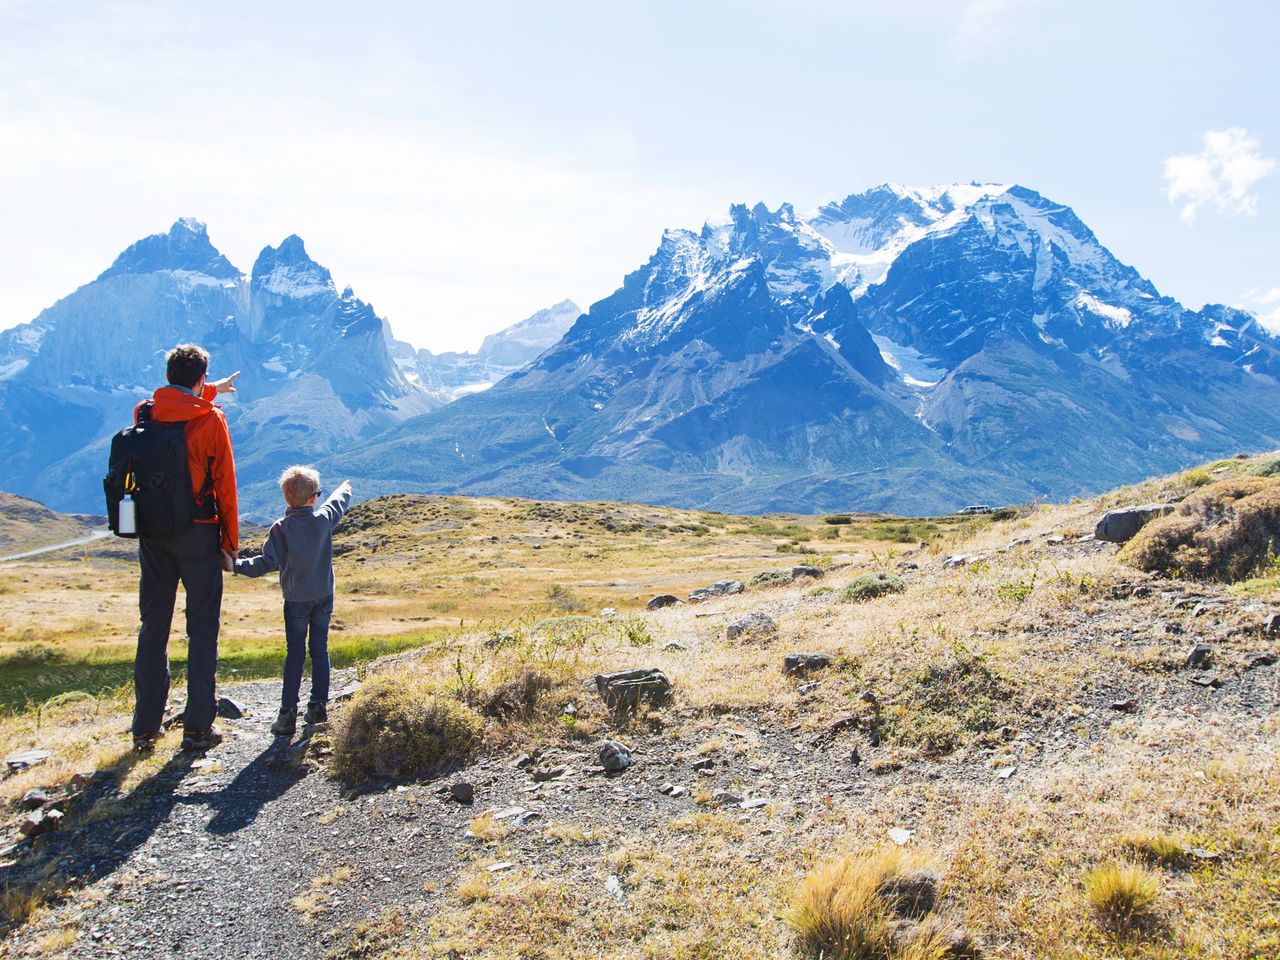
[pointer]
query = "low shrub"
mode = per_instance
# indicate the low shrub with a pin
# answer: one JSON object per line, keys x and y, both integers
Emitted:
{"x": 1227, "y": 531}
{"x": 517, "y": 698}
{"x": 1121, "y": 892}
{"x": 868, "y": 586}
{"x": 838, "y": 519}
{"x": 562, "y": 598}
{"x": 402, "y": 726}
{"x": 772, "y": 578}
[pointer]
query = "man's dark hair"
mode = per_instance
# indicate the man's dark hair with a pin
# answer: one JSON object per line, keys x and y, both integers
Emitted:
{"x": 186, "y": 364}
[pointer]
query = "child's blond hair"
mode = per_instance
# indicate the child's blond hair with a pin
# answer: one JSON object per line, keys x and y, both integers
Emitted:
{"x": 299, "y": 484}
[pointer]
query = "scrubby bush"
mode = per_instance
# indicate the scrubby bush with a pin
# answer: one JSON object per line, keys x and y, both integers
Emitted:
{"x": 402, "y": 726}
{"x": 871, "y": 585}
{"x": 517, "y": 698}
{"x": 1269, "y": 467}
{"x": 1226, "y": 531}
{"x": 838, "y": 519}
{"x": 562, "y": 598}
{"x": 772, "y": 578}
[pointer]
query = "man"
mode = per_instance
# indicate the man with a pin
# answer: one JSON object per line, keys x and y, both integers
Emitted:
{"x": 193, "y": 556}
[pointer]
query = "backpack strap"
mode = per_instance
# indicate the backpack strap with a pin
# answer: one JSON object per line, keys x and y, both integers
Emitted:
{"x": 144, "y": 411}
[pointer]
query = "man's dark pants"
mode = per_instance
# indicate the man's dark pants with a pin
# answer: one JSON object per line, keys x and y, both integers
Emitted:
{"x": 194, "y": 558}
{"x": 303, "y": 618}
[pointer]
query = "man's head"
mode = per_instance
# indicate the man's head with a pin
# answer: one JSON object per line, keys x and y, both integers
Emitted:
{"x": 186, "y": 364}
{"x": 300, "y": 485}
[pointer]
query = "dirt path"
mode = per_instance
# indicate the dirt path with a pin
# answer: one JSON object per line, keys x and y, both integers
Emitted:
{"x": 92, "y": 538}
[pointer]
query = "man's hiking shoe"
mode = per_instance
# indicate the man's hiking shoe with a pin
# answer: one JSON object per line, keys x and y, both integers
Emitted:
{"x": 145, "y": 742}
{"x": 286, "y": 723}
{"x": 316, "y": 713}
{"x": 198, "y": 742}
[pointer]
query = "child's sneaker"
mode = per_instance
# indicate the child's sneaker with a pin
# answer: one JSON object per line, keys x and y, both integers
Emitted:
{"x": 286, "y": 723}
{"x": 316, "y": 713}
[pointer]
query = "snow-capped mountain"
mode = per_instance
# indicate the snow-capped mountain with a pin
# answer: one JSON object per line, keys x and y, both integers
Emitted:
{"x": 451, "y": 375}
{"x": 315, "y": 372}
{"x": 903, "y": 349}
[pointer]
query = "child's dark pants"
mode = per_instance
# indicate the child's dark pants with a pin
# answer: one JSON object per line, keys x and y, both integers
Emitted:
{"x": 306, "y": 630}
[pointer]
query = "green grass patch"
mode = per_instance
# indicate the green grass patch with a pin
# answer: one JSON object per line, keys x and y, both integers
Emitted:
{"x": 30, "y": 676}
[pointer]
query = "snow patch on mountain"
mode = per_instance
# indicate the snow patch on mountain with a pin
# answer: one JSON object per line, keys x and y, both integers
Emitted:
{"x": 1115, "y": 317}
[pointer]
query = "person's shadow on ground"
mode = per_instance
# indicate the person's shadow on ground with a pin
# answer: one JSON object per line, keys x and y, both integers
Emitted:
{"x": 102, "y": 831}
{"x": 267, "y": 777}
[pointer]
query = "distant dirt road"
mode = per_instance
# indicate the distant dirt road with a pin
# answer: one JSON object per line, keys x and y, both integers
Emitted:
{"x": 96, "y": 535}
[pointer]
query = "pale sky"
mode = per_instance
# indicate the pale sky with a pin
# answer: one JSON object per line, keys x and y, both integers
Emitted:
{"x": 462, "y": 165}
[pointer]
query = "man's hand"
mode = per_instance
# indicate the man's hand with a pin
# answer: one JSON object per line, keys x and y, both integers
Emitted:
{"x": 226, "y": 384}
{"x": 228, "y": 562}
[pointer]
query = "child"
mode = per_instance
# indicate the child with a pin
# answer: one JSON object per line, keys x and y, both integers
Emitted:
{"x": 300, "y": 546}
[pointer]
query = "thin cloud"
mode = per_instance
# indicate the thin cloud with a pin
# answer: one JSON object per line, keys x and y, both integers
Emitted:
{"x": 1265, "y": 305}
{"x": 1220, "y": 177}
{"x": 983, "y": 24}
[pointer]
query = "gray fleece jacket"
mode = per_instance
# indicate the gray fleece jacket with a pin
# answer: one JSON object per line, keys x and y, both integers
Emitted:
{"x": 300, "y": 546}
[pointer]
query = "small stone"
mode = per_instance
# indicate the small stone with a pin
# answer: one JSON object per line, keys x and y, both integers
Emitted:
{"x": 626, "y": 689}
{"x": 677, "y": 792}
{"x": 614, "y": 886}
{"x": 905, "y": 565}
{"x": 1119, "y": 526}
{"x": 347, "y": 692}
{"x": 1208, "y": 681}
{"x": 543, "y": 774}
{"x": 229, "y": 709}
{"x": 666, "y": 788}
{"x": 40, "y": 822}
{"x": 1129, "y": 705}
{"x": 807, "y": 687}
{"x": 706, "y": 763}
{"x": 855, "y": 757}
{"x": 463, "y": 792}
{"x": 1004, "y": 773}
{"x": 674, "y": 647}
{"x": 721, "y": 588}
{"x": 957, "y": 560}
{"x": 806, "y": 571}
{"x": 1255, "y": 660}
{"x": 499, "y": 867}
{"x": 663, "y": 600}
{"x": 33, "y": 799}
{"x": 801, "y": 663}
{"x": 523, "y": 819}
{"x": 726, "y": 798}
{"x": 509, "y": 813}
{"x": 901, "y": 835}
{"x": 1199, "y": 853}
{"x": 1199, "y": 654}
{"x": 1055, "y": 541}
{"x": 614, "y": 757}
{"x": 27, "y": 758}
{"x": 754, "y": 803}
{"x": 1271, "y": 625}
{"x": 752, "y": 623}
{"x": 607, "y": 613}
{"x": 522, "y": 760}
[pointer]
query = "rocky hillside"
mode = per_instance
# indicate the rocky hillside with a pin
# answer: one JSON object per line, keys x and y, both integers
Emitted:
{"x": 29, "y": 525}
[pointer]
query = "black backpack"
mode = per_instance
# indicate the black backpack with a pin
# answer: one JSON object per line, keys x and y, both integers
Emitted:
{"x": 149, "y": 462}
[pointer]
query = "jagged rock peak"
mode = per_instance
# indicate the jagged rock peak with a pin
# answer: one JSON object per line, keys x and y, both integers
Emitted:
{"x": 185, "y": 247}
{"x": 288, "y": 270}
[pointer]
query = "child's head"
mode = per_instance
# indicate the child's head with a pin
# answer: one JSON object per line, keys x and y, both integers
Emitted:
{"x": 299, "y": 485}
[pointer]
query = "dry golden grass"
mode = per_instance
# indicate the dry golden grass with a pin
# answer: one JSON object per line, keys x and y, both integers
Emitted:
{"x": 1121, "y": 892}
{"x": 487, "y": 829}
{"x": 318, "y": 899}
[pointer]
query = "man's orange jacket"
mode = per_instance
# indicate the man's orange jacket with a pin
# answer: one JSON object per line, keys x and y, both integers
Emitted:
{"x": 207, "y": 436}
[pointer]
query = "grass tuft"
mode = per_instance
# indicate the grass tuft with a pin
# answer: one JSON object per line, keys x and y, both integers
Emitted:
{"x": 1121, "y": 892}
